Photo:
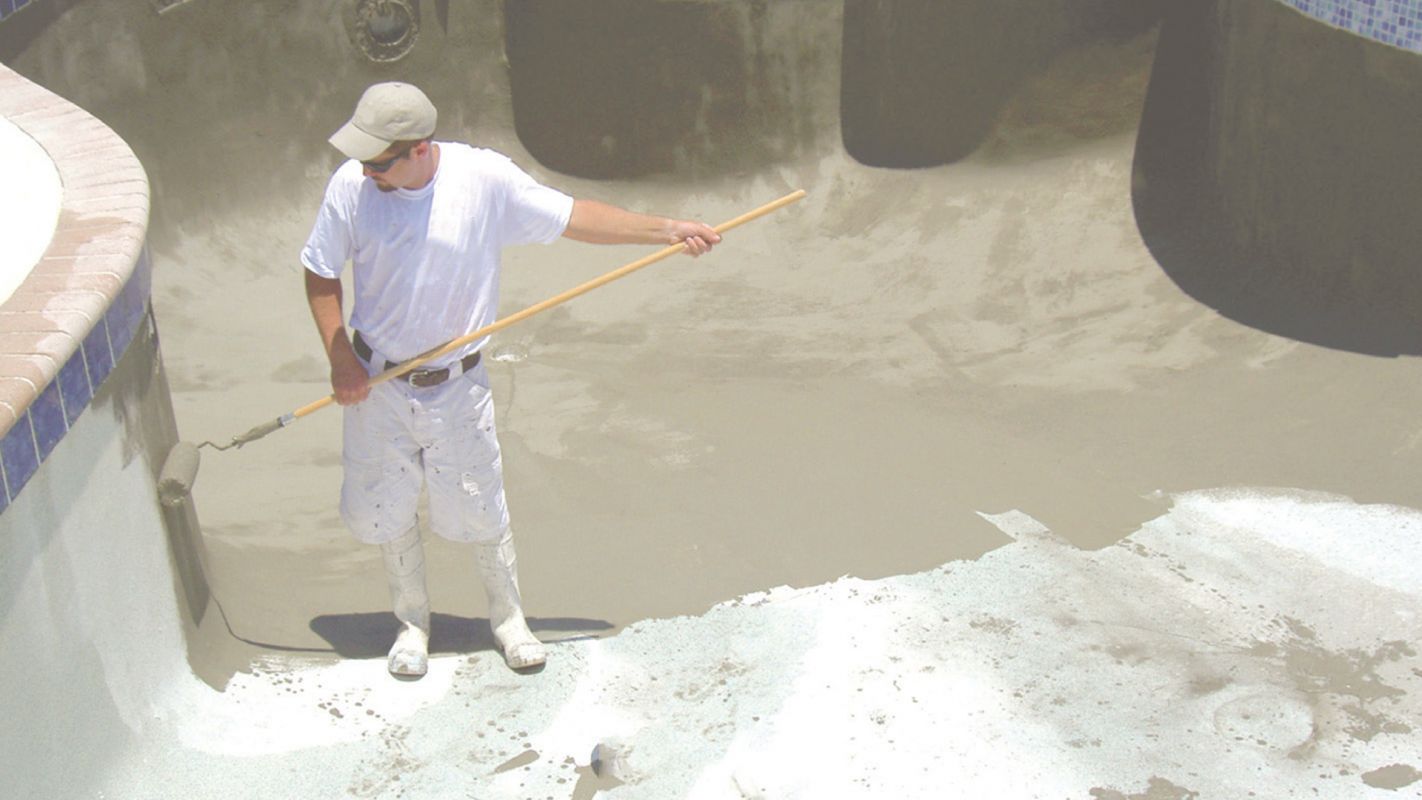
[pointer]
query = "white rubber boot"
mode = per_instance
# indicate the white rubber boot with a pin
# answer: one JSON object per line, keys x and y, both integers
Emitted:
{"x": 498, "y": 568}
{"x": 405, "y": 569}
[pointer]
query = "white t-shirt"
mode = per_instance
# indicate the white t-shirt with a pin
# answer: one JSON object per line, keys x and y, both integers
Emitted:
{"x": 426, "y": 261}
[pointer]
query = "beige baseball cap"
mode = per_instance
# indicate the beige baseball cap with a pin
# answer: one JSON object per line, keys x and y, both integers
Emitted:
{"x": 386, "y": 113}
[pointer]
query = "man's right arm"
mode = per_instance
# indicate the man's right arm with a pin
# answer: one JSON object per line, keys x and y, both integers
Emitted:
{"x": 349, "y": 380}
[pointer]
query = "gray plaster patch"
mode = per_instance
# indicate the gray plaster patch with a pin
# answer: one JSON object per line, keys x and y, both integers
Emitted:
{"x": 302, "y": 369}
{"x": 1158, "y": 789}
{"x": 1393, "y": 776}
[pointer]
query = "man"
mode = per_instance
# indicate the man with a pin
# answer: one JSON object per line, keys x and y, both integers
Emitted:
{"x": 423, "y": 223}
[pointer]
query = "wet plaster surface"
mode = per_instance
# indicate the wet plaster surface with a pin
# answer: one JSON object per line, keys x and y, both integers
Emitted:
{"x": 808, "y": 402}
{"x": 810, "y": 410}
{"x": 908, "y": 373}
{"x": 837, "y": 392}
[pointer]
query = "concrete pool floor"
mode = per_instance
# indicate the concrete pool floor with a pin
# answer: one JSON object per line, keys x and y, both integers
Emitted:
{"x": 970, "y": 388}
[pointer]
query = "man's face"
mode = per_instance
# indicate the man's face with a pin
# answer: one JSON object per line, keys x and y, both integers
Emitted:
{"x": 391, "y": 169}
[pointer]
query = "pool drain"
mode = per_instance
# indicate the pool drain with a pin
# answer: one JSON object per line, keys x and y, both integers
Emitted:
{"x": 384, "y": 30}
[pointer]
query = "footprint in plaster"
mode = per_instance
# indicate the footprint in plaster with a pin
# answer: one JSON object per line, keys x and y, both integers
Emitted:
{"x": 1274, "y": 718}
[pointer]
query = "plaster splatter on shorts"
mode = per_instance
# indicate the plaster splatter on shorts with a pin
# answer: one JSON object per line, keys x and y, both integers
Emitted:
{"x": 470, "y": 482}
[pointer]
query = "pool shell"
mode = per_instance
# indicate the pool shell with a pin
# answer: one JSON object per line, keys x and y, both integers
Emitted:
{"x": 218, "y": 129}
{"x": 1036, "y": 325}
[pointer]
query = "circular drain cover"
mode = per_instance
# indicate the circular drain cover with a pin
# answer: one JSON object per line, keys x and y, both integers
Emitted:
{"x": 385, "y": 30}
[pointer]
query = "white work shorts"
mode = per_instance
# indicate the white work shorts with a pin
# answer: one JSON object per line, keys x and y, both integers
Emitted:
{"x": 402, "y": 437}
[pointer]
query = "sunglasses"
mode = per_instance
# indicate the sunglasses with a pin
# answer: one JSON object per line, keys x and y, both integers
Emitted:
{"x": 384, "y": 166}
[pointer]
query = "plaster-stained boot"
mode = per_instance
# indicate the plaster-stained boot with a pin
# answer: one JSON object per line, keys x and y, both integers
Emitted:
{"x": 497, "y": 566}
{"x": 405, "y": 569}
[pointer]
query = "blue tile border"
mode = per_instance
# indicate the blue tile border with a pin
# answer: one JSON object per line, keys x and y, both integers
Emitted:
{"x": 98, "y": 355}
{"x": 8, "y": 7}
{"x": 47, "y": 416}
{"x": 35, "y": 435}
{"x": 19, "y": 456}
{"x": 75, "y": 388}
{"x": 128, "y": 308}
{"x": 1394, "y": 22}
{"x": 107, "y": 195}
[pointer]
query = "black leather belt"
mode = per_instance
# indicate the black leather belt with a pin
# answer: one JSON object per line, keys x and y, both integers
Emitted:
{"x": 423, "y": 378}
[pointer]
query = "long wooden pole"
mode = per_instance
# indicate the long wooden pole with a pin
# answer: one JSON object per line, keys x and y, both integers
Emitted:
{"x": 449, "y": 347}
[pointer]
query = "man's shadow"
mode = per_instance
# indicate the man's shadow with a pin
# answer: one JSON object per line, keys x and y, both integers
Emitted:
{"x": 370, "y": 634}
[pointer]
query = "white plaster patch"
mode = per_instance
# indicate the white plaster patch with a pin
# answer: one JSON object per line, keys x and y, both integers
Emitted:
{"x": 281, "y": 706}
{"x": 585, "y": 718}
{"x": 1184, "y": 657}
{"x": 1243, "y": 642}
{"x": 1362, "y": 541}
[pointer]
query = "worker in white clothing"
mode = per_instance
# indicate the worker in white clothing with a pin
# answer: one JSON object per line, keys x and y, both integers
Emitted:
{"x": 422, "y": 223}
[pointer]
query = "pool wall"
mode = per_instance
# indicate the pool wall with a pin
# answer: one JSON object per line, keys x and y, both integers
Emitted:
{"x": 88, "y": 555}
{"x": 1276, "y": 184}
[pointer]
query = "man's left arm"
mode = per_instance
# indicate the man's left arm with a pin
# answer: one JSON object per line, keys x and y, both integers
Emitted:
{"x": 600, "y": 223}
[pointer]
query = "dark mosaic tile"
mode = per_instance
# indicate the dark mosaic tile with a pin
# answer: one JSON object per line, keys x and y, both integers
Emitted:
{"x": 21, "y": 459}
{"x": 124, "y": 316}
{"x": 143, "y": 272}
{"x": 74, "y": 388}
{"x": 130, "y": 307}
{"x": 47, "y": 414}
{"x": 97, "y": 355}
{"x": 1381, "y": 21}
{"x": 120, "y": 332}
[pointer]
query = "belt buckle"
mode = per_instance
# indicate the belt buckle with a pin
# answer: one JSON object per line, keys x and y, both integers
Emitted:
{"x": 425, "y": 378}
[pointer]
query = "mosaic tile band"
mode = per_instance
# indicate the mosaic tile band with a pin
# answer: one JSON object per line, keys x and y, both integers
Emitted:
{"x": 8, "y": 7}
{"x": 35, "y": 434}
{"x": 67, "y": 325}
{"x": 1394, "y": 22}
